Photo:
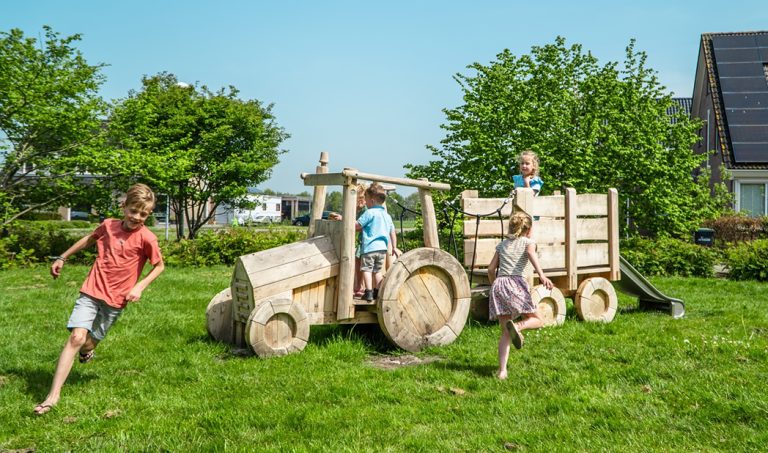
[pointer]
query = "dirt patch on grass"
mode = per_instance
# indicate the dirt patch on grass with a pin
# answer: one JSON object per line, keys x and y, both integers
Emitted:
{"x": 392, "y": 362}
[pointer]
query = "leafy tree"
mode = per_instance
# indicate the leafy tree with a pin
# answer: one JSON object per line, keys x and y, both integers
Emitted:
{"x": 50, "y": 125}
{"x": 201, "y": 148}
{"x": 333, "y": 201}
{"x": 593, "y": 127}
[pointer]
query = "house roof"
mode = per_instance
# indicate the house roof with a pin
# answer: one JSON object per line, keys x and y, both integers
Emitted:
{"x": 679, "y": 105}
{"x": 736, "y": 66}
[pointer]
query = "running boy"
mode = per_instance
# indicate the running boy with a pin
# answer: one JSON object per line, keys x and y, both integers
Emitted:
{"x": 378, "y": 232}
{"x": 123, "y": 246}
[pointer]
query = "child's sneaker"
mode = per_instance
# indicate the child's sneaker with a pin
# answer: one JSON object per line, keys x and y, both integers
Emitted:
{"x": 368, "y": 295}
{"x": 86, "y": 357}
{"x": 375, "y": 293}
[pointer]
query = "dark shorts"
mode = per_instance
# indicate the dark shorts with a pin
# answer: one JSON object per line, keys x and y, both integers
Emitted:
{"x": 373, "y": 261}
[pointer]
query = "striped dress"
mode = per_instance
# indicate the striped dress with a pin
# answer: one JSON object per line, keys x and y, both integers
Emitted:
{"x": 510, "y": 295}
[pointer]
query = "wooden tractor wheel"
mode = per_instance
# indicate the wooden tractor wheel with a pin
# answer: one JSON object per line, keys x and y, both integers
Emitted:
{"x": 218, "y": 317}
{"x": 424, "y": 299}
{"x": 550, "y": 305}
{"x": 596, "y": 300}
{"x": 277, "y": 327}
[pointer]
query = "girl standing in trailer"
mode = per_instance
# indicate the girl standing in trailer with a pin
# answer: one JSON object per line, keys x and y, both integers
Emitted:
{"x": 528, "y": 163}
{"x": 510, "y": 296}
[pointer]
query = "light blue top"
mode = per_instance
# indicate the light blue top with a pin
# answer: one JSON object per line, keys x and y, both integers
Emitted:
{"x": 376, "y": 224}
{"x": 536, "y": 183}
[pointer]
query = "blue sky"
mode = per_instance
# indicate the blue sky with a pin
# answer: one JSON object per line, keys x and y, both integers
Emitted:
{"x": 365, "y": 81}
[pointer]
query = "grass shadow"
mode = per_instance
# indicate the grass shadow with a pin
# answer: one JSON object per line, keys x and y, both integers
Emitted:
{"x": 37, "y": 381}
{"x": 479, "y": 370}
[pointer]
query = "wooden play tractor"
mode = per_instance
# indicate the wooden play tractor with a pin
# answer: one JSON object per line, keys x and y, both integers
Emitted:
{"x": 277, "y": 294}
{"x": 577, "y": 236}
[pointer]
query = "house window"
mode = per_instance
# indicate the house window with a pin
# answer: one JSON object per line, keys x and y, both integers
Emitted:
{"x": 752, "y": 199}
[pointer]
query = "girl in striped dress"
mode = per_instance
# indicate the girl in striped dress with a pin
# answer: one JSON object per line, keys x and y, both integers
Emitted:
{"x": 510, "y": 296}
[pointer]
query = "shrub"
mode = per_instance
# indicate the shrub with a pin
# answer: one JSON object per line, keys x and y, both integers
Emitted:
{"x": 28, "y": 242}
{"x": 738, "y": 228}
{"x": 749, "y": 261}
{"x": 667, "y": 256}
{"x": 225, "y": 246}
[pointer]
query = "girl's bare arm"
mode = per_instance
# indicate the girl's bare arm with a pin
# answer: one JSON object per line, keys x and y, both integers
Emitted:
{"x": 534, "y": 259}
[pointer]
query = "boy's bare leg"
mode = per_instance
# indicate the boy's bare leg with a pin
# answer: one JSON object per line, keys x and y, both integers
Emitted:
{"x": 89, "y": 345}
{"x": 377, "y": 278}
{"x": 368, "y": 280}
{"x": 76, "y": 340}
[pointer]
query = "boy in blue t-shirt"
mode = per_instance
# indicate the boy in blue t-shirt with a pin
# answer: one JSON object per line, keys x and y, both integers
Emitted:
{"x": 378, "y": 232}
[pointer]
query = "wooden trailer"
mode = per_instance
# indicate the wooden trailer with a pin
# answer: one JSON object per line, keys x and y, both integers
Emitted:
{"x": 277, "y": 294}
{"x": 577, "y": 238}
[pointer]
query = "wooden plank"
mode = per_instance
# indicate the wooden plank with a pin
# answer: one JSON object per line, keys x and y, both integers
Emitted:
{"x": 485, "y": 250}
{"x": 486, "y": 228}
{"x": 592, "y": 229}
{"x": 292, "y": 282}
{"x": 595, "y": 204}
{"x": 410, "y": 295}
{"x": 331, "y": 229}
{"x": 418, "y": 183}
{"x": 345, "y": 308}
{"x": 429, "y": 219}
{"x": 485, "y": 207}
{"x": 318, "y": 201}
{"x": 328, "y": 179}
{"x": 440, "y": 288}
{"x": 427, "y": 282}
{"x": 613, "y": 235}
{"x": 290, "y": 269}
{"x": 551, "y": 256}
{"x": 265, "y": 259}
{"x": 549, "y": 231}
{"x": 331, "y": 294}
{"x": 570, "y": 238}
{"x": 548, "y": 206}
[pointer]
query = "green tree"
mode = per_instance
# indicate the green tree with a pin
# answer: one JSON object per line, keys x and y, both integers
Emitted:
{"x": 201, "y": 148}
{"x": 594, "y": 127}
{"x": 333, "y": 202}
{"x": 50, "y": 126}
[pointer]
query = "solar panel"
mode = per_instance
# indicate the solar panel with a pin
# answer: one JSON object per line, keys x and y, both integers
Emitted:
{"x": 740, "y": 61}
{"x": 742, "y": 84}
{"x": 726, "y": 41}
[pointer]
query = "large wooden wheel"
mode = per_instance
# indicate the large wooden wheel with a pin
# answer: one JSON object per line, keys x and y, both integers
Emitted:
{"x": 424, "y": 299}
{"x": 596, "y": 300}
{"x": 550, "y": 305}
{"x": 218, "y": 316}
{"x": 277, "y": 327}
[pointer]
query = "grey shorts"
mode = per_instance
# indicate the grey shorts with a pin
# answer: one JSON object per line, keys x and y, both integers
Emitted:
{"x": 373, "y": 261}
{"x": 93, "y": 315}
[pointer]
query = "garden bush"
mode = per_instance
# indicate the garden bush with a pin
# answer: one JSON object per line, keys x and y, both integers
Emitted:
{"x": 225, "y": 246}
{"x": 28, "y": 242}
{"x": 748, "y": 261}
{"x": 738, "y": 228}
{"x": 667, "y": 256}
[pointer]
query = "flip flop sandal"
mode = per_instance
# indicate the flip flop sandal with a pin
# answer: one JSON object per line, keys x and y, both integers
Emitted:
{"x": 85, "y": 358}
{"x": 516, "y": 336}
{"x": 41, "y": 409}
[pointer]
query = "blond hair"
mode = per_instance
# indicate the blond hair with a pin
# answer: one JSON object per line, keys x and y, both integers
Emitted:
{"x": 140, "y": 196}
{"x": 534, "y": 157}
{"x": 519, "y": 224}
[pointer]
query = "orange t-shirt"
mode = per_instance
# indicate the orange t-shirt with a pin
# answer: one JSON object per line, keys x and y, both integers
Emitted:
{"x": 121, "y": 258}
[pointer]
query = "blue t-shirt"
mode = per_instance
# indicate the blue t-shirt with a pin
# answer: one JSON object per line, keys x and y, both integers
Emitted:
{"x": 376, "y": 225}
{"x": 536, "y": 183}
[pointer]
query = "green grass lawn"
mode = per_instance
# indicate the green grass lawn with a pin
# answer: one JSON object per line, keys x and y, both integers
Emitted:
{"x": 645, "y": 382}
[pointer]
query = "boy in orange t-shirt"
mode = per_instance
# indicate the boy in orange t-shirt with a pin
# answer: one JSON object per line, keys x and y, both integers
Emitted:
{"x": 124, "y": 246}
